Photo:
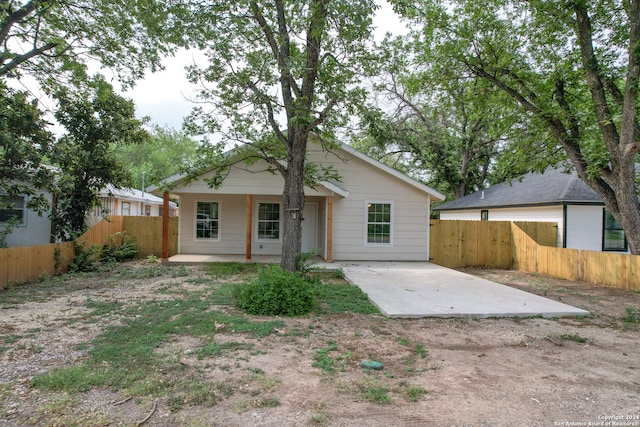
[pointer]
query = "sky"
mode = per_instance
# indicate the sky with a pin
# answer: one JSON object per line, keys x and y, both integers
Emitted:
{"x": 164, "y": 96}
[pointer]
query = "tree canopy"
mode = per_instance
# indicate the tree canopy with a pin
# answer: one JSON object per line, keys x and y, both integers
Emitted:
{"x": 53, "y": 40}
{"x": 279, "y": 71}
{"x": 572, "y": 67}
{"x": 431, "y": 118}
{"x": 95, "y": 119}
{"x": 166, "y": 152}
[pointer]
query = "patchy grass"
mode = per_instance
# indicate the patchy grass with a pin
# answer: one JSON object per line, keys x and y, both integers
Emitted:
{"x": 341, "y": 297}
{"x": 123, "y": 356}
{"x": 573, "y": 337}
{"x": 632, "y": 316}
{"x": 226, "y": 269}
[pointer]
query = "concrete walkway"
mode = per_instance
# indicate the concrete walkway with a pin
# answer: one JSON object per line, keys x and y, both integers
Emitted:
{"x": 422, "y": 289}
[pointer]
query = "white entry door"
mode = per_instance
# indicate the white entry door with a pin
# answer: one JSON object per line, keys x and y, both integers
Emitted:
{"x": 309, "y": 227}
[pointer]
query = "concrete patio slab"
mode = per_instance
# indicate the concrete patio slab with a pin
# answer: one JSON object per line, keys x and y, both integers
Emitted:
{"x": 422, "y": 289}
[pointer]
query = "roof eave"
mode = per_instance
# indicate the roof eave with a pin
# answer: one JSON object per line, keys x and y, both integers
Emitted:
{"x": 523, "y": 205}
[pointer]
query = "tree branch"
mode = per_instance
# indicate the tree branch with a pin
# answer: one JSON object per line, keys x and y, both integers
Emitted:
{"x": 592, "y": 72}
{"x": 23, "y": 58}
{"x": 14, "y": 17}
{"x": 629, "y": 123}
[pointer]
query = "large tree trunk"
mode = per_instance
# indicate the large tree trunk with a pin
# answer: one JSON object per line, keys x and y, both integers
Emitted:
{"x": 629, "y": 217}
{"x": 293, "y": 198}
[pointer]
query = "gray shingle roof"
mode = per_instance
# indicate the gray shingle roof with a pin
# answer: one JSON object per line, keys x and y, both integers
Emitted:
{"x": 553, "y": 187}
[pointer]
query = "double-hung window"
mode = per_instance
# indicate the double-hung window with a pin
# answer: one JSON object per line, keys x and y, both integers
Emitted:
{"x": 268, "y": 221}
{"x": 613, "y": 238}
{"x": 379, "y": 223}
{"x": 207, "y": 220}
{"x": 13, "y": 209}
{"x": 126, "y": 208}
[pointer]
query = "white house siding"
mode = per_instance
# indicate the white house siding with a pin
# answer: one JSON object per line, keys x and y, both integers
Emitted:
{"x": 36, "y": 230}
{"x": 232, "y": 225}
{"x": 365, "y": 183}
{"x": 584, "y": 229}
{"x": 538, "y": 214}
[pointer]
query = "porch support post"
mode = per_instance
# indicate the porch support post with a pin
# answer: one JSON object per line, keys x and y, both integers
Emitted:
{"x": 329, "y": 229}
{"x": 165, "y": 226}
{"x": 248, "y": 232}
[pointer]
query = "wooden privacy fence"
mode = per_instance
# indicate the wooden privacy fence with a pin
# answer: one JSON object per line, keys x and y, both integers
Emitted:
{"x": 146, "y": 233}
{"x": 25, "y": 263}
{"x": 601, "y": 268}
{"x": 482, "y": 243}
{"x": 527, "y": 246}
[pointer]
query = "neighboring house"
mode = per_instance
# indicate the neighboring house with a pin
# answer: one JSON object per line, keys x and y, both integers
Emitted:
{"x": 129, "y": 202}
{"x": 31, "y": 229}
{"x": 374, "y": 213}
{"x": 554, "y": 196}
{"x": 34, "y": 229}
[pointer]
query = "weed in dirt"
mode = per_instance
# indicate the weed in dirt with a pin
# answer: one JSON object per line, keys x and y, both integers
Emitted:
{"x": 404, "y": 341}
{"x": 375, "y": 392}
{"x": 414, "y": 393}
{"x": 632, "y": 316}
{"x": 200, "y": 280}
{"x": 181, "y": 271}
{"x": 215, "y": 349}
{"x": 263, "y": 402}
{"x": 193, "y": 393}
{"x": 573, "y": 337}
{"x": 322, "y": 359}
{"x": 421, "y": 351}
{"x": 318, "y": 419}
{"x": 102, "y": 308}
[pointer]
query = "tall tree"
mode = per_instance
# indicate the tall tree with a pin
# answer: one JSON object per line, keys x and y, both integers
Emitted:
{"x": 571, "y": 65}
{"x": 53, "y": 41}
{"x": 279, "y": 71}
{"x": 95, "y": 118}
{"x": 434, "y": 119}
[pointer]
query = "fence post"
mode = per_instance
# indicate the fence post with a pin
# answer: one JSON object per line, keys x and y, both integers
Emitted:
{"x": 165, "y": 226}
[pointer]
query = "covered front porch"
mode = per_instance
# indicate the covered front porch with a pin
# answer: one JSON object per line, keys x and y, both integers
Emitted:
{"x": 234, "y": 227}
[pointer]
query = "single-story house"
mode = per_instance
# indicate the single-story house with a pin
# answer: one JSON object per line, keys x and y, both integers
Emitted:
{"x": 553, "y": 196}
{"x": 34, "y": 229}
{"x": 31, "y": 228}
{"x": 129, "y": 202}
{"x": 373, "y": 213}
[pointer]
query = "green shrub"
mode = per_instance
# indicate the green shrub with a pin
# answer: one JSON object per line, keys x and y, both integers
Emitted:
{"x": 85, "y": 258}
{"x": 119, "y": 248}
{"x": 276, "y": 292}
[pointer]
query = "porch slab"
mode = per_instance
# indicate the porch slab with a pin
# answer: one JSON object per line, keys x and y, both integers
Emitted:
{"x": 422, "y": 289}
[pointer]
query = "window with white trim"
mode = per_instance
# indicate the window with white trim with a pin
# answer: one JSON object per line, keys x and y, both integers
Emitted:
{"x": 13, "y": 208}
{"x": 126, "y": 208}
{"x": 268, "y": 221}
{"x": 613, "y": 237}
{"x": 207, "y": 220}
{"x": 379, "y": 223}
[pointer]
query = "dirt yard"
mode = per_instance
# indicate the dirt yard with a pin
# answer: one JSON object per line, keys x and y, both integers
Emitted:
{"x": 436, "y": 372}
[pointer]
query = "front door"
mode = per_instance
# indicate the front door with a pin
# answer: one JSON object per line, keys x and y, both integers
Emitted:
{"x": 309, "y": 228}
